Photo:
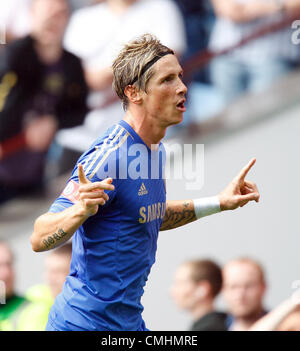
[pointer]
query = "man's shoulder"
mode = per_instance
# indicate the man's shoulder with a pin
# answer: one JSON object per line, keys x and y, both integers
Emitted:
{"x": 21, "y": 43}
{"x": 71, "y": 58}
{"x": 11, "y": 306}
{"x": 111, "y": 139}
{"x": 106, "y": 151}
{"x": 18, "y": 47}
{"x": 213, "y": 321}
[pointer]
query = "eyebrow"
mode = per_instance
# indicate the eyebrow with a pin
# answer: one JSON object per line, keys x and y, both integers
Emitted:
{"x": 180, "y": 73}
{"x": 151, "y": 63}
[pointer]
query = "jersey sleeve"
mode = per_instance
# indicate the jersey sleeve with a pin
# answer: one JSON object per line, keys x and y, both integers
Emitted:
{"x": 97, "y": 167}
{"x": 101, "y": 161}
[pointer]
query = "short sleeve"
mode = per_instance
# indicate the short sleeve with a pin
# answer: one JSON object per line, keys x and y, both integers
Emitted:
{"x": 98, "y": 165}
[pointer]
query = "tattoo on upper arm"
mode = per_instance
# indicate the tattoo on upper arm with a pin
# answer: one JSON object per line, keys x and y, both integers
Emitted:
{"x": 51, "y": 240}
{"x": 177, "y": 216}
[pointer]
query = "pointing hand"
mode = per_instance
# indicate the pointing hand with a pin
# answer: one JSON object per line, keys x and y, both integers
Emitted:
{"x": 240, "y": 191}
{"x": 91, "y": 195}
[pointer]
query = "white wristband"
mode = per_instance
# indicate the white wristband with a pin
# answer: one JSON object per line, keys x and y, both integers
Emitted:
{"x": 206, "y": 206}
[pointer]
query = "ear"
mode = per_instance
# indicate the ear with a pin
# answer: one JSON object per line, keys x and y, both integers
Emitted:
{"x": 133, "y": 94}
{"x": 200, "y": 292}
{"x": 264, "y": 288}
{"x": 203, "y": 289}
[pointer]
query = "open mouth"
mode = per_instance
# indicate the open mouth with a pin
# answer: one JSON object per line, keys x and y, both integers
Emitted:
{"x": 180, "y": 106}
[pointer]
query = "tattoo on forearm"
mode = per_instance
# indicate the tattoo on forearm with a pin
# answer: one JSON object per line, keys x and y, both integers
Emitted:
{"x": 178, "y": 215}
{"x": 51, "y": 240}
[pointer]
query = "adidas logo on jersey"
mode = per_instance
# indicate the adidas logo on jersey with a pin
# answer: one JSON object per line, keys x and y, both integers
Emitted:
{"x": 143, "y": 190}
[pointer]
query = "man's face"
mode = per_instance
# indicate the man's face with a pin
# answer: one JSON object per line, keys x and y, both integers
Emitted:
{"x": 57, "y": 269}
{"x": 6, "y": 269}
{"x": 50, "y": 18}
{"x": 183, "y": 288}
{"x": 243, "y": 289}
{"x": 165, "y": 97}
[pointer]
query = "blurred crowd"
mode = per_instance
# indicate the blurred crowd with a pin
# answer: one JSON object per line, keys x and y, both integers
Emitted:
{"x": 56, "y": 79}
{"x": 196, "y": 286}
{"x": 30, "y": 312}
{"x": 242, "y": 283}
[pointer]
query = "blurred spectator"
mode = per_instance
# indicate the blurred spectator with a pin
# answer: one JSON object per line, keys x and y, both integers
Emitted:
{"x": 42, "y": 90}
{"x": 96, "y": 34}
{"x": 35, "y": 316}
{"x": 196, "y": 285}
{"x": 15, "y": 304}
{"x": 16, "y": 19}
{"x": 254, "y": 66}
{"x": 15, "y": 16}
{"x": 244, "y": 287}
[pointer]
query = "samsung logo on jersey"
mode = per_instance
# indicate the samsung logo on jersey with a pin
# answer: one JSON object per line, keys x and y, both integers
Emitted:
{"x": 152, "y": 212}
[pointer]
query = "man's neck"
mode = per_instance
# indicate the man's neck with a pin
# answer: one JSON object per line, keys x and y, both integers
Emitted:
{"x": 48, "y": 54}
{"x": 202, "y": 309}
{"x": 244, "y": 323}
{"x": 148, "y": 131}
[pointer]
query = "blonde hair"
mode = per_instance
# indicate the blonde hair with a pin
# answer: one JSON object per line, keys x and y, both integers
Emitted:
{"x": 133, "y": 64}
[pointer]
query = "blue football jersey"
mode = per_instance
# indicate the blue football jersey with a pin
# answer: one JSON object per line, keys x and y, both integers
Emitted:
{"x": 113, "y": 251}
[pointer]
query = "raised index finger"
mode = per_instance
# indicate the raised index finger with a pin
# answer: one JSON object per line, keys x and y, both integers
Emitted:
{"x": 245, "y": 170}
{"x": 81, "y": 176}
